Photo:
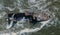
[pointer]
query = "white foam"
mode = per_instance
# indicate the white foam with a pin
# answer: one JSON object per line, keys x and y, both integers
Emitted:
{"x": 31, "y": 1}
{"x": 10, "y": 25}
{"x": 10, "y": 9}
{"x": 20, "y": 23}
{"x": 27, "y": 30}
{"x": 40, "y": 7}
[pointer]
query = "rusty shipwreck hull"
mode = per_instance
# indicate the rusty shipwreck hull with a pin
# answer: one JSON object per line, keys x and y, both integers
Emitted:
{"x": 33, "y": 18}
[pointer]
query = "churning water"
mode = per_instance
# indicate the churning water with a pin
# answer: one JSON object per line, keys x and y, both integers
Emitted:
{"x": 51, "y": 7}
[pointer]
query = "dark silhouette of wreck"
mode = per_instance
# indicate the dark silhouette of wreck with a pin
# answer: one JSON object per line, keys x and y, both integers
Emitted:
{"x": 18, "y": 16}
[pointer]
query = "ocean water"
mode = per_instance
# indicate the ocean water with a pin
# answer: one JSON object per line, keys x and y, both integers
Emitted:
{"x": 50, "y": 27}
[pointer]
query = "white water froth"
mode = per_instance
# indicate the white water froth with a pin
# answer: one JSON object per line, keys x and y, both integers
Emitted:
{"x": 21, "y": 22}
{"x": 27, "y": 30}
{"x": 18, "y": 23}
{"x": 10, "y": 9}
{"x": 9, "y": 26}
{"x": 41, "y": 6}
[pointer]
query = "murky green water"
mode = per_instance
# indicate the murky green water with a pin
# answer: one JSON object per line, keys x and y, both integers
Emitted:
{"x": 54, "y": 29}
{"x": 19, "y": 5}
